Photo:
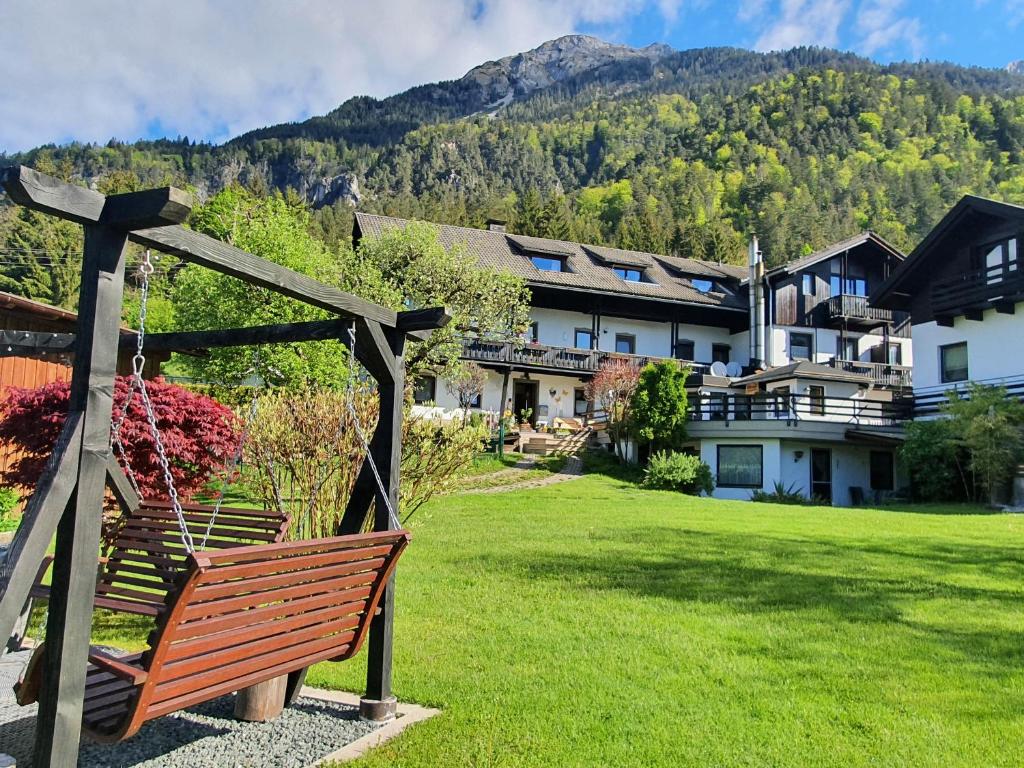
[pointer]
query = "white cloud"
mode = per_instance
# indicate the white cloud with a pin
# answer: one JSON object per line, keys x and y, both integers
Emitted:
{"x": 1015, "y": 12}
{"x": 799, "y": 22}
{"x": 882, "y": 27}
{"x": 94, "y": 69}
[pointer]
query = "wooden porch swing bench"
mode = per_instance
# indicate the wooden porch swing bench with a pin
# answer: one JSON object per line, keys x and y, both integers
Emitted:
{"x": 147, "y": 557}
{"x": 238, "y": 617}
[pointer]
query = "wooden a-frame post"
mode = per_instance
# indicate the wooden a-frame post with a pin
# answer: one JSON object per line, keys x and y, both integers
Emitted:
{"x": 68, "y": 499}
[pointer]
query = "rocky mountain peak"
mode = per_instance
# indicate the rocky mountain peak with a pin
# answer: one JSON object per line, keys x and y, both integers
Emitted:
{"x": 553, "y": 62}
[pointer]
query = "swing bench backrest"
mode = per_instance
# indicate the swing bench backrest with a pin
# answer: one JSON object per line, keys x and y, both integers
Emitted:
{"x": 241, "y": 616}
{"x": 147, "y": 555}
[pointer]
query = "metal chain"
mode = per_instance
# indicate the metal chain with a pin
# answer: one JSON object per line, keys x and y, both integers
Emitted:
{"x": 138, "y": 363}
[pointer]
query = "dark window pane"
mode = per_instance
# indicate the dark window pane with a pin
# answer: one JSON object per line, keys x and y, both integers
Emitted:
{"x": 882, "y": 473}
{"x": 580, "y": 404}
{"x": 739, "y": 466}
{"x": 424, "y": 390}
{"x": 816, "y": 396}
{"x": 953, "y": 362}
{"x": 704, "y": 286}
{"x": 633, "y": 275}
{"x": 800, "y": 346}
{"x": 625, "y": 344}
{"x": 684, "y": 350}
{"x": 720, "y": 353}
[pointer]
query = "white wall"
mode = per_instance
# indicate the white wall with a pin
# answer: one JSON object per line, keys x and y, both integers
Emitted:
{"x": 559, "y": 405}
{"x": 995, "y": 349}
{"x": 825, "y": 340}
{"x": 556, "y": 328}
{"x": 770, "y": 465}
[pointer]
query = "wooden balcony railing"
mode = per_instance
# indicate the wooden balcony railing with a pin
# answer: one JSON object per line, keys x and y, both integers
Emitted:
{"x": 847, "y": 307}
{"x": 790, "y": 407}
{"x": 978, "y": 289}
{"x": 557, "y": 358}
{"x": 883, "y": 374}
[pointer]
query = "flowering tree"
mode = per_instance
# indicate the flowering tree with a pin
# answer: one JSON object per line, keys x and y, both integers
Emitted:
{"x": 199, "y": 434}
{"x": 612, "y": 389}
{"x": 467, "y": 384}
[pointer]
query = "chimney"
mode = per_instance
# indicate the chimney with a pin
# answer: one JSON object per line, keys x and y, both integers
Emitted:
{"x": 756, "y": 293}
{"x": 496, "y": 225}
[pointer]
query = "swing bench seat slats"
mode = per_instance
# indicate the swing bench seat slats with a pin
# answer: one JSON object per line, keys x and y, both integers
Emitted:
{"x": 147, "y": 554}
{"x": 240, "y": 617}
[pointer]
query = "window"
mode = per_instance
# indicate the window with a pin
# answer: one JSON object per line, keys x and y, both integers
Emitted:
{"x": 534, "y": 334}
{"x": 846, "y": 349}
{"x": 475, "y": 402}
{"x": 425, "y": 389}
{"x": 583, "y": 339}
{"x": 895, "y": 356}
{"x": 807, "y": 284}
{"x": 625, "y": 343}
{"x": 580, "y": 405}
{"x": 704, "y": 286}
{"x": 783, "y": 408}
{"x": 717, "y": 404}
{"x": 549, "y": 263}
{"x": 816, "y": 399}
{"x": 882, "y": 474}
{"x": 720, "y": 353}
{"x": 629, "y": 273}
{"x": 997, "y": 259}
{"x": 684, "y": 349}
{"x": 855, "y": 283}
{"x": 801, "y": 346}
{"x": 835, "y": 283}
{"x": 953, "y": 362}
{"x": 740, "y": 466}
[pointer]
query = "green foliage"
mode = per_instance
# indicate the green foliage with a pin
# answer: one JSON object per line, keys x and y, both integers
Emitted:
{"x": 780, "y": 494}
{"x": 409, "y": 269}
{"x": 659, "y": 405}
{"x": 276, "y": 229}
{"x": 988, "y": 423}
{"x": 9, "y": 498}
{"x": 679, "y": 472}
{"x": 935, "y": 461}
{"x": 41, "y": 257}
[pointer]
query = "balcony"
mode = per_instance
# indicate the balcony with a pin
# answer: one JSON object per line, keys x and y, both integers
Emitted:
{"x": 851, "y": 311}
{"x": 790, "y": 408}
{"x": 883, "y": 374}
{"x": 556, "y": 359}
{"x": 998, "y": 287}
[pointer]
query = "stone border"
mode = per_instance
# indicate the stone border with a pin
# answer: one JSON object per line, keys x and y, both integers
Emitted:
{"x": 408, "y": 714}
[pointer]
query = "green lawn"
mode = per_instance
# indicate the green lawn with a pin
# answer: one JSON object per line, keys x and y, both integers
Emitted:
{"x": 594, "y": 624}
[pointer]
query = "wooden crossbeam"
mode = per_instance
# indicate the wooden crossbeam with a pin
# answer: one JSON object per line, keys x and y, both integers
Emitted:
{"x": 197, "y": 248}
{"x": 35, "y": 343}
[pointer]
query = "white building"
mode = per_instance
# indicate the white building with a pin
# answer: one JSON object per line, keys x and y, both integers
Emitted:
{"x": 800, "y": 368}
{"x": 963, "y": 289}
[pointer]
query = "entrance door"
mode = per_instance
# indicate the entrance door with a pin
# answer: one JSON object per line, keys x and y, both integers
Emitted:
{"x": 524, "y": 397}
{"x": 821, "y": 474}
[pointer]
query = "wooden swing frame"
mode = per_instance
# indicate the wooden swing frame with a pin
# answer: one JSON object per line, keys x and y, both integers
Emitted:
{"x": 69, "y": 496}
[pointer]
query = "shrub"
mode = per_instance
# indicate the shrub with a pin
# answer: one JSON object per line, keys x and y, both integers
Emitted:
{"x": 9, "y": 498}
{"x": 678, "y": 472}
{"x": 612, "y": 389}
{"x": 936, "y": 462}
{"x": 659, "y": 405}
{"x": 199, "y": 434}
{"x": 304, "y": 446}
{"x": 780, "y": 494}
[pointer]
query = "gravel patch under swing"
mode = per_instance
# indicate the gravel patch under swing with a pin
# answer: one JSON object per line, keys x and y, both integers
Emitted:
{"x": 205, "y": 736}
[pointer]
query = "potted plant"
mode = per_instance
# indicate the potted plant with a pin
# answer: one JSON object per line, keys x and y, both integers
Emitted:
{"x": 524, "y": 418}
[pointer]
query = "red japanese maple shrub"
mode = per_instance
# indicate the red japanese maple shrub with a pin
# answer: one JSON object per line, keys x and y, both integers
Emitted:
{"x": 199, "y": 434}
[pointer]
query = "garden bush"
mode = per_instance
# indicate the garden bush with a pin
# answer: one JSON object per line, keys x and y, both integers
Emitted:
{"x": 199, "y": 434}
{"x": 9, "y": 498}
{"x": 780, "y": 494}
{"x": 936, "y": 462}
{"x": 678, "y": 472}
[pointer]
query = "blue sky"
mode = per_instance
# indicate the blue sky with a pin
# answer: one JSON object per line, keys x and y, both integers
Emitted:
{"x": 128, "y": 69}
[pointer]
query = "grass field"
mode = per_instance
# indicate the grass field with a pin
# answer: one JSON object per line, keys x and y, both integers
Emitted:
{"x": 595, "y": 624}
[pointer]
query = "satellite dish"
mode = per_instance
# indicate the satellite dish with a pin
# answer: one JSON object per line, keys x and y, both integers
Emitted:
{"x": 718, "y": 368}
{"x": 734, "y": 369}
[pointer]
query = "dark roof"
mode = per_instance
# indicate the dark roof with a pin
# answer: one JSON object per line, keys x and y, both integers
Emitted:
{"x": 837, "y": 248}
{"x": 806, "y": 370}
{"x": 590, "y": 266}
{"x": 968, "y": 205}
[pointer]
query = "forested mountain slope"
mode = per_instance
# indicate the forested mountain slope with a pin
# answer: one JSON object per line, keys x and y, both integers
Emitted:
{"x": 684, "y": 151}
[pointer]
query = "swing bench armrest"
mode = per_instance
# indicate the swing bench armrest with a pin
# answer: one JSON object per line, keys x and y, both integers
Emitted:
{"x": 116, "y": 667}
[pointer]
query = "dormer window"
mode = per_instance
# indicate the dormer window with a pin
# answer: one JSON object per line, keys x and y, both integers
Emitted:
{"x": 549, "y": 263}
{"x": 704, "y": 286}
{"x": 631, "y": 274}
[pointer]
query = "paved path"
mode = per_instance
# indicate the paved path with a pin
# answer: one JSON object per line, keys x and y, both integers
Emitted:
{"x": 572, "y": 470}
